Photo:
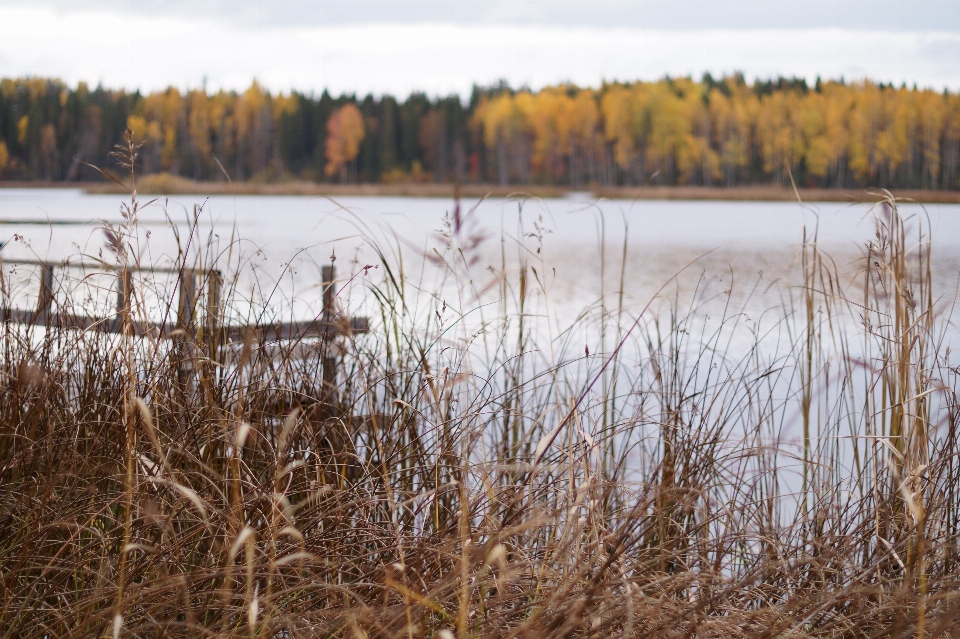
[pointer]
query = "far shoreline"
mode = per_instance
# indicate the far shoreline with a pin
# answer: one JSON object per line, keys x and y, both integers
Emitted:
{"x": 169, "y": 185}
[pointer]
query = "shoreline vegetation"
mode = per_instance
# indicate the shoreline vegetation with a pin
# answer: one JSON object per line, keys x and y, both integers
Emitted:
{"x": 458, "y": 472}
{"x": 673, "y": 132}
{"x": 165, "y": 184}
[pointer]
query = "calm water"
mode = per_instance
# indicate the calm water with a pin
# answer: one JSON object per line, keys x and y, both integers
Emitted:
{"x": 285, "y": 224}
{"x": 575, "y": 245}
{"x": 711, "y": 260}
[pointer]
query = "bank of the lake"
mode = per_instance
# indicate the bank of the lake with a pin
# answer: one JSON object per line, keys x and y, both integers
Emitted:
{"x": 165, "y": 184}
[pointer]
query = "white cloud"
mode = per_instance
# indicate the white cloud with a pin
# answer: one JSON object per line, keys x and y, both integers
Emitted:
{"x": 891, "y": 15}
{"x": 154, "y": 52}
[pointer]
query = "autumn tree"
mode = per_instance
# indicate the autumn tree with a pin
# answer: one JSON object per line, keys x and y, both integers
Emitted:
{"x": 625, "y": 125}
{"x": 671, "y": 131}
{"x": 507, "y": 131}
{"x": 345, "y": 132}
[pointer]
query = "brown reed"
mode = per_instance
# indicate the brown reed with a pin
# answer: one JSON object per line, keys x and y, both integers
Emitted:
{"x": 148, "y": 489}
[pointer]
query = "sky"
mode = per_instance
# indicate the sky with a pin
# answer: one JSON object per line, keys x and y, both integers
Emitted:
{"x": 444, "y": 47}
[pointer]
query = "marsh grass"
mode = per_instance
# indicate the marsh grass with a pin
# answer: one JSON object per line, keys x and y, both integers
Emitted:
{"x": 484, "y": 480}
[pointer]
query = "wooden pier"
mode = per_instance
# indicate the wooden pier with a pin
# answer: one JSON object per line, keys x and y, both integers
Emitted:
{"x": 189, "y": 282}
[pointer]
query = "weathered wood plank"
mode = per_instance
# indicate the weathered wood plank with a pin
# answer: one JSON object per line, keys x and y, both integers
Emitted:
{"x": 328, "y": 324}
{"x": 281, "y": 331}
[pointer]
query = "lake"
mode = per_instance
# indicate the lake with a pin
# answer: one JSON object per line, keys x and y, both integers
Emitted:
{"x": 574, "y": 245}
{"x": 723, "y": 277}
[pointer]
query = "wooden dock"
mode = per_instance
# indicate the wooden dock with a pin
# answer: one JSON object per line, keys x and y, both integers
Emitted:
{"x": 189, "y": 282}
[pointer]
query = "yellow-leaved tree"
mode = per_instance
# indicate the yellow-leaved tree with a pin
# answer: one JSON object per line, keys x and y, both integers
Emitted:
{"x": 345, "y": 132}
{"x": 625, "y": 112}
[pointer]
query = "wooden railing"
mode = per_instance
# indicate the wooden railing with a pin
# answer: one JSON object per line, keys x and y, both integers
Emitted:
{"x": 328, "y": 324}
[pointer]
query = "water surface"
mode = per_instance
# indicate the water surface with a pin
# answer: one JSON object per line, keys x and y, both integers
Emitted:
{"x": 744, "y": 252}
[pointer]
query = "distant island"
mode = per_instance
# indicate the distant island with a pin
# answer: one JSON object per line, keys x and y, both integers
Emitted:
{"x": 673, "y": 138}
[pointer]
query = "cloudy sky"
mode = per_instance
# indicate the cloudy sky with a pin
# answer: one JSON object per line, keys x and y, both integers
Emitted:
{"x": 445, "y": 46}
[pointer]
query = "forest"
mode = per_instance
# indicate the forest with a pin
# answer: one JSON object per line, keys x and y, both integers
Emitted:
{"x": 674, "y": 131}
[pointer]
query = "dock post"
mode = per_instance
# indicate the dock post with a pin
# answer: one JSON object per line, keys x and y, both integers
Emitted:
{"x": 328, "y": 398}
{"x": 212, "y": 332}
{"x": 214, "y": 282}
{"x": 45, "y": 298}
{"x": 186, "y": 310}
{"x": 188, "y": 299}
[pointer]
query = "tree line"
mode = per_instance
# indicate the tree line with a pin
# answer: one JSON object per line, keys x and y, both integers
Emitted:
{"x": 711, "y": 132}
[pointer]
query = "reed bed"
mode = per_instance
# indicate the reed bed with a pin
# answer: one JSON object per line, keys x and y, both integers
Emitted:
{"x": 437, "y": 478}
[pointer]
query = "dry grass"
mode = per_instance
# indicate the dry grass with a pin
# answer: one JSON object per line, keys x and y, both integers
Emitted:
{"x": 496, "y": 485}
